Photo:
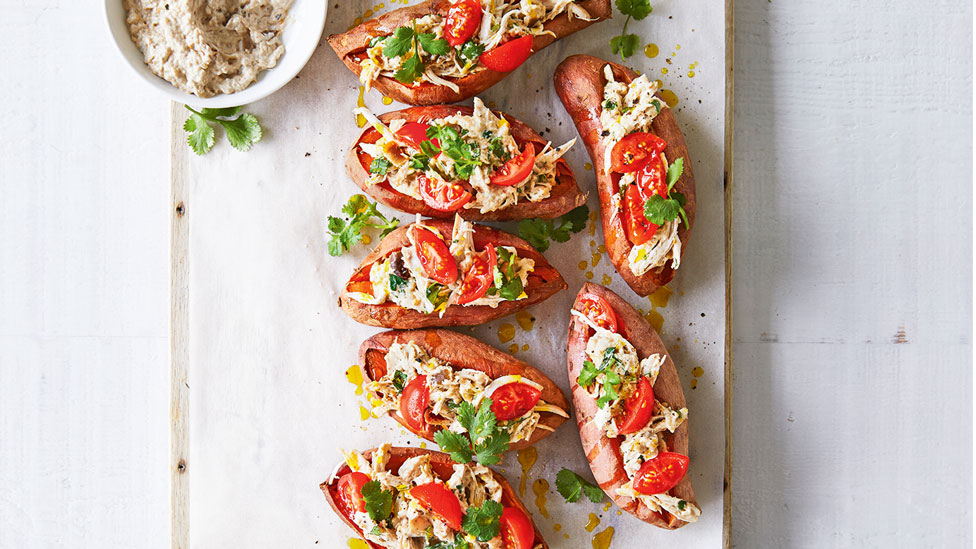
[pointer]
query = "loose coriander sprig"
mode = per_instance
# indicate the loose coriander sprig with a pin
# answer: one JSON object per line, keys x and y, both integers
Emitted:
{"x": 483, "y": 522}
{"x": 627, "y": 44}
{"x": 359, "y": 212}
{"x": 571, "y": 486}
{"x": 242, "y": 131}
{"x": 538, "y": 231}
{"x": 658, "y": 209}
{"x": 485, "y": 441}
{"x": 379, "y": 502}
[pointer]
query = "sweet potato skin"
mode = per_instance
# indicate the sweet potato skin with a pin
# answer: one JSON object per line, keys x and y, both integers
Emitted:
{"x": 346, "y": 45}
{"x": 441, "y": 464}
{"x": 565, "y": 194}
{"x": 391, "y": 315}
{"x": 603, "y": 453}
{"x": 579, "y": 82}
{"x": 462, "y": 351}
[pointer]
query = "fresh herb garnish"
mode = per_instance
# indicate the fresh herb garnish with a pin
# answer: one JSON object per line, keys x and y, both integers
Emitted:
{"x": 627, "y": 44}
{"x": 346, "y": 232}
{"x": 611, "y": 380}
{"x": 658, "y": 209}
{"x": 405, "y": 39}
{"x": 379, "y": 502}
{"x": 436, "y": 295}
{"x": 484, "y": 441}
{"x": 483, "y": 522}
{"x": 242, "y": 131}
{"x": 682, "y": 504}
{"x": 466, "y": 156}
{"x": 420, "y": 162}
{"x": 380, "y": 165}
{"x": 458, "y": 543}
{"x": 399, "y": 380}
{"x": 571, "y": 486}
{"x": 471, "y": 51}
{"x": 396, "y": 282}
{"x": 538, "y": 231}
{"x": 609, "y": 105}
{"x": 511, "y": 284}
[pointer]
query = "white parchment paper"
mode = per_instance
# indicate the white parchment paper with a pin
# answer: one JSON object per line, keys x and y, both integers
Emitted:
{"x": 270, "y": 404}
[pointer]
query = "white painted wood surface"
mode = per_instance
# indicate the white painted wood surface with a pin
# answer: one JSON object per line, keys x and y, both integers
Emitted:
{"x": 847, "y": 116}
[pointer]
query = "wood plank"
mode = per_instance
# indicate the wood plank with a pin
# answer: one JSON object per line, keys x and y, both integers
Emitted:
{"x": 729, "y": 125}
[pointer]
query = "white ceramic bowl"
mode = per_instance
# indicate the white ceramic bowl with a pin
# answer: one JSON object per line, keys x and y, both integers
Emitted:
{"x": 306, "y": 19}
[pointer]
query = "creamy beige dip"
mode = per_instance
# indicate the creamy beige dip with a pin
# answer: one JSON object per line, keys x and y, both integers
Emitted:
{"x": 208, "y": 47}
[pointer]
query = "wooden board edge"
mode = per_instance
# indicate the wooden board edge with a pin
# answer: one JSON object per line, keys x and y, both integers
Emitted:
{"x": 728, "y": 377}
{"x": 179, "y": 334}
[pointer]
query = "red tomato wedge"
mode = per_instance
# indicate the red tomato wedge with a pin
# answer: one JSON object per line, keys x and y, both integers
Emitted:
{"x": 479, "y": 276}
{"x": 351, "y": 491}
{"x": 517, "y": 531}
{"x": 441, "y": 501}
{"x": 434, "y": 255}
{"x": 514, "y": 400}
{"x": 653, "y": 178}
{"x": 413, "y": 403}
{"x": 634, "y": 150}
{"x": 661, "y": 474}
{"x": 463, "y": 20}
{"x": 650, "y": 180}
{"x": 441, "y": 195}
{"x": 415, "y": 133}
{"x": 508, "y": 56}
{"x": 517, "y": 169}
{"x": 598, "y": 311}
{"x": 637, "y": 408}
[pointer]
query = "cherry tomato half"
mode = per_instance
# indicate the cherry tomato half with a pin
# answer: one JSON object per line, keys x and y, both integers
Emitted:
{"x": 508, "y": 56}
{"x": 661, "y": 474}
{"x": 442, "y": 195}
{"x": 434, "y": 255}
{"x": 639, "y": 229}
{"x": 415, "y": 133}
{"x": 598, "y": 311}
{"x": 463, "y": 20}
{"x": 441, "y": 501}
{"x": 413, "y": 403}
{"x": 351, "y": 491}
{"x": 517, "y": 169}
{"x": 514, "y": 400}
{"x": 479, "y": 276}
{"x": 634, "y": 150}
{"x": 517, "y": 531}
{"x": 637, "y": 408}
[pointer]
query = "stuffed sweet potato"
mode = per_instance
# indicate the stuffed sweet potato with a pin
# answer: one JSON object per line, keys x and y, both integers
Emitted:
{"x": 435, "y": 273}
{"x": 630, "y": 409}
{"x": 443, "y": 51}
{"x": 431, "y": 499}
{"x": 644, "y": 175}
{"x": 481, "y": 164}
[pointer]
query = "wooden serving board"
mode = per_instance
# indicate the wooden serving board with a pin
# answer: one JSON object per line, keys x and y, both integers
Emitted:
{"x": 261, "y": 405}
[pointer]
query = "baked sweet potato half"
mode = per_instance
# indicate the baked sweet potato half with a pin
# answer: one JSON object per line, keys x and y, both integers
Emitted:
{"x": 462, "y": 54}
{"x": 434, "y": 487}
{"x": 637, "y": 167}
{"x": 434, "y": 273}
{"x": 518, "y": 174}
{"x": 421, "y": 377}
{"x": 634, "y": 432}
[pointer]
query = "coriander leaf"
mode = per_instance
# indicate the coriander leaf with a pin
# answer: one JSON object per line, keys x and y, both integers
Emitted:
{"x": 432, "y": 44}
{"x": 396, "y": 282}
{"x": 625, "y": 44}
{"x": 483, "y": 522}
{"x": 638, "y": 9}
{"x": 484, "y": 421}
{"x": 471, "y": 51}
{"x": 489, "y": 451}
{"x": 571, "y": 486}
{"x": 455, "y": 444}
{"x": 410, "y": 71}
{"x": 609, "y": 105}
{"x": 399, "y": 380}
{"x": 458, "y": 543}
{"x": 536, "y": 232}
{"x": 594, "y": 492}
{"x": 201, "y": 138}
{"x": 420, "y": 162}
{"x": 682, "y": 504}
{"x": 512, "y": 289}
{"x": 243, "y": 131}
{"x": 379, "y": 502}
{"x": 398, "y": 43}
{"x": 357, "y": 204}
{"x": 674, "y": 172}
{"x": 576, "y": 218}
{"x": 380, "y": 165}
{"x": 336, "y": 224}
{"x": 226, "y": 112}
{"x": 360, "y": 213}
{"x": 588, "y": 374}
{"x": 660, "y": 210}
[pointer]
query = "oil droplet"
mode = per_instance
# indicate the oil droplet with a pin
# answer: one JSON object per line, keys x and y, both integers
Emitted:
{"x": 660, "y": 296}
{"x": 513, "y": 348}
{"x": 355, "y": 376}
{"x": 506, "y": 332}
{"x": 677, "y": 46}
{"x": 525, "y": 347}
{"x": 698, "y": 371}
{"x": 589, "y": 275}
{"x": 363, "y": 413}
{"x": 368, "y": 14}
{"x": 603, "y": 539}
{"x": 659, "y": 84}
{"x": 694, "y": 383}
{"x": 664, "y": 70}
{"x": 525, "y": 320}
{"x": 593, "y": 522}
{"x": 655, "y": 319}
{"x": 387, "y": 100}
{"x": 527, "y": 458}
{"x": 367, "y": 239}
{"x": 602, "y": 249}
{"x": 691, "y": 74}
{"x": 356, "y": 543}
{"x": 595, "y": 259}
{"x": 582, "y": 265}
{"x": 360, "y": 119}
{"x": 606, "y": 506}
{"x": 423, "y": 445}
{"x": 540, "y": 487}
{"x": 651, "y": 50}
{"x": 606, "y": 280}
{"x": 588, "y": 166}
{"x": 669, "y": 97}
{"x": 566, "y": 536}
{"x": 557, "y": 527}
{"x": 593, "y": 223}
{"x": 358, "y": 21}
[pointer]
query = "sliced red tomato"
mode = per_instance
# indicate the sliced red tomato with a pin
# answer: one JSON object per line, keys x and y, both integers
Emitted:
{"x": 438, "y": 498}
{"x": 637, "y": 408}
{"x": 441, "y": 195}
{"x": 463, "y": 20}
{"x": 513, "y": 400}
{"x": 351, "y": 491}
{"x": 516, "y": 169}
{"x": 661, "y": 474}
{"x": 479, "y": 276}
{"x": 415, "y": 133}
{"x": 634, "y": 150}
{"x": 652, "y": 178}
{"x": 508, "y": 56}
{"x": 517, "y": 531}
{"x": 413, "y": 403}
{"x": 435, "y": 256}
{"x": 639, "y": 229}
{"x": 598, "y": 311}
{"x": 360, "y": 282}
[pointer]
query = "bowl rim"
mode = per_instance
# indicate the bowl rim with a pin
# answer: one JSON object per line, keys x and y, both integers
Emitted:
{"x": 253, "y": 93}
